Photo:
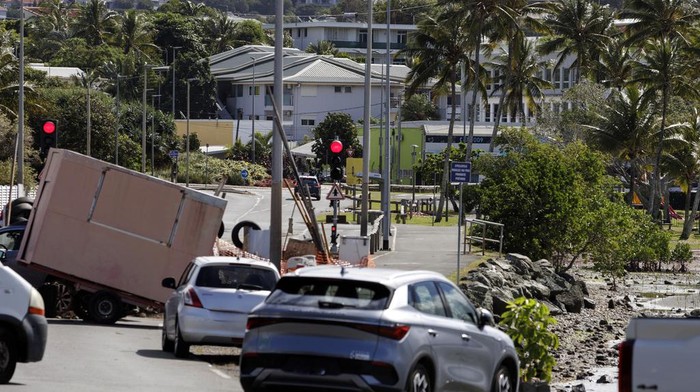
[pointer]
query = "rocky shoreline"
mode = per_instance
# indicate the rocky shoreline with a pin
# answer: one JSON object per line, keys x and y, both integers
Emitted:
{"x": 592, "y": 313}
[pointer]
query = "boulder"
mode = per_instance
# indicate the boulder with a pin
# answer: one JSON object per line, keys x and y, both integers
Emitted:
{"x": 521, "y": 264}
{"x": 572, "y": 299}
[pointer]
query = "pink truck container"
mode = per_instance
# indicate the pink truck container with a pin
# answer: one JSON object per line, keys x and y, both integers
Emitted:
{"x": 106, "y": 236}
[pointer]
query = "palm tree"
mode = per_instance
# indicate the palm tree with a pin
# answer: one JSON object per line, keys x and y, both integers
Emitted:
{"x": 135, "y": 34}
{"x": 478, "y": 18}
{"x": 220, "y": 33}
{"x": 616, "y": 63}
{"x": 435, "y": 50}
{"x": 323, "y": 48}
{"x": 684, "y": 163}
{"x": 576, "y": 27}
{"x": 95, "y": 22}
{"x": 668, "y": 22}
{"x": 522, "y": 86}
{"x": 662, "y": 70}
{"x": 625, "y": 129}
{"x": 511, "y": 31}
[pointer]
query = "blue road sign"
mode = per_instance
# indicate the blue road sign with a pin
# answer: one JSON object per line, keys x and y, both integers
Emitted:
{"x": 460, "y": 171}
{"x": 173, "y": 153}
{"x": 244, "y": 174}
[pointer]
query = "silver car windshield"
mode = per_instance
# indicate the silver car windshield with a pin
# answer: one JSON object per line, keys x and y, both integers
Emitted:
{"x": 330, "y": 293}
{"x": 236, "y": 277}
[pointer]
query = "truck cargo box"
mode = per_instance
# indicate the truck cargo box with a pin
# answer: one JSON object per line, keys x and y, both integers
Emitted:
{"x": 105, "y": 227}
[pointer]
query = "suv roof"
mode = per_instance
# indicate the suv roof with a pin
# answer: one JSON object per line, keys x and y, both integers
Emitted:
{"x": 386, "y": 276}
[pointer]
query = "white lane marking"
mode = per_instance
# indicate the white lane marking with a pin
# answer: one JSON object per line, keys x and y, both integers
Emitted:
{"x": 260, "y": 197}
{"x": 219, "y": 373}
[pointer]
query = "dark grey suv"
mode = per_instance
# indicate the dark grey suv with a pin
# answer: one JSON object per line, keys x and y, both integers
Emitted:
{"x": 312, "y": 183}
{"x": 368, "y": 329}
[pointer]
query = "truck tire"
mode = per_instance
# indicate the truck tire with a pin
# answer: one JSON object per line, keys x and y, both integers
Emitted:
{"x": 8, "y": 356}
{"x": 105, "y": 308}
{"x": 81, "y": 305}
{"x": 234, "y": 233}
{"x": 49, "y": 293}
{"x": 221, "y": 229}
{"x": 20, "y": 213}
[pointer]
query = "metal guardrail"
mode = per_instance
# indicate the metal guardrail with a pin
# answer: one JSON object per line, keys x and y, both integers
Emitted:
{"x": 468, "y": 238}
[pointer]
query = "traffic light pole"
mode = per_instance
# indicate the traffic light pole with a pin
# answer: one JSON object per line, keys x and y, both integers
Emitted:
{"x": 334, "y": 228}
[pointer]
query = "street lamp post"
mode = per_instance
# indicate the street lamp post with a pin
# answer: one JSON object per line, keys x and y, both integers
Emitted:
{"x": 413, "y": 169}
{"x": 173, "y": 65}
{"x": 146, "y": 66}
{"x": 252, "y": 140}
{"x": 187, "y": 140}
{"x": 116, "y": 129}
{"x": 153, "y": 133}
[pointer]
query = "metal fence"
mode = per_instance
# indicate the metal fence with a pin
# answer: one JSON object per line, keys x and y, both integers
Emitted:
{"x": 8, "y": 193}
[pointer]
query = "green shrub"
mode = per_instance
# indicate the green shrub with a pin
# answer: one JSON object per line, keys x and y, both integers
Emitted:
{"x": 682, "y": 255}
{"x": 526, "y": 322}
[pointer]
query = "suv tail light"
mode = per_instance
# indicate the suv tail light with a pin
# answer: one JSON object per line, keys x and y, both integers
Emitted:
{"x": 624, "y": 366}
{"x": 394, "y": 332}
{"x": 192, "y": 299}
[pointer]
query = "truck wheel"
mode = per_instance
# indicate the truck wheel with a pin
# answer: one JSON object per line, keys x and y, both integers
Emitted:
{"x": 221, "y": 229}
{"x": 8, "y": 356}
{"x": 81, "y": 305}
{"x": 49, "y": 293}
{"x": 181, "y": 349}
{"x": 234, "y": 233}
{"x": 64, "y": 298}
{"x": 105, "y": 308}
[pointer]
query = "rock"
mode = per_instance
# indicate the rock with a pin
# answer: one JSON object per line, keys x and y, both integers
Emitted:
{"x": 611, "y": 304}
{"x": 535, "y": 386}
{"x": 582, "y": 285}
{"x": 588, "y": 303}
{"x": 668, "y": 282}
{"x": 604, "y": 379}
{"x": 572, "y": 300}
{"x": 521, "y": 264}
{"x": 578, "y": 388}
{"x": 554, "y": 310}
{"x": 694, "y": 313}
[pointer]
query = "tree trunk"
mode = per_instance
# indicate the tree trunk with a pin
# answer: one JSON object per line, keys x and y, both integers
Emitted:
{"x": 448, "y": 148}
{"x": 475, "y": 89}
{"x": 657, "y": 170}
{"x": 502, "y": 98}
{"x": 690, "y": 218}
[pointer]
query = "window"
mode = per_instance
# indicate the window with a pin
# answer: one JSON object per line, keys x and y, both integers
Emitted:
{"x": 487, "y": 113}
{"x": 363, "y": 36}
{"x": 235, "y": 277}
{"x": 239, "y": 91}
{"x": 186, "y": 274}
{"x": 348, "y": 89}
{"x": 402, "y": 36}
{"x": 425, "y": 298}
{"x": 308, "y": 121}
{"x": 458, "y": 100}
{"x": 459, "y": 306}
{"x": 330, "y": 293}
{"x": 257, "y": 90}
{"x": 548, "y": 74}
{"x": 338, "y": 89}
{"x": 557, "y": 78}
{"x": 11, "y": 239}
{"x": 332, "y": 34}
{"x": 566, "y": 77}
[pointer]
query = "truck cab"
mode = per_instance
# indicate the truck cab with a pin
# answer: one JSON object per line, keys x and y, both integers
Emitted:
{"x": 23, "y": 327}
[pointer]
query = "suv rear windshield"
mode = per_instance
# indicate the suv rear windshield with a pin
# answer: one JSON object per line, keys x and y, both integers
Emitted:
{"x": 330, "y": 293}
{"x": 311, "y": 182}
{"x": 236, "y": 276}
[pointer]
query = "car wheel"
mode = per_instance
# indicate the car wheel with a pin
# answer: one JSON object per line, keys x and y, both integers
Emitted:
{"x": 64, "y": 298}
{"x": 8, "y": 356}
{"x": 502, "y": 382}
{"x": 419, "y": 380}
{"x": 166, "y": 344}
{"x": 105, "y": 308}
{"x": 180, "y": 347}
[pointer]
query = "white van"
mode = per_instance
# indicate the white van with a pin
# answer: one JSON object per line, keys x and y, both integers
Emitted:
{"x": 23, "y": 327}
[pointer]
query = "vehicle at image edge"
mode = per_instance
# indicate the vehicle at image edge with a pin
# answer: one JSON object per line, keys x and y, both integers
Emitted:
{"x": 211, "y": 302}
{"x": 659, "y": 354}
{"x": 313, "y": 185}
{"x": 369, "y": 329}
{"x": 23, "y": 327}
{"x": 100, "y": 237}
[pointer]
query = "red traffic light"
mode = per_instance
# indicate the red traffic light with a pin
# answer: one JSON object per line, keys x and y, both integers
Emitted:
{"x": 336, "y": 146}
{"x": 48, "y": 127}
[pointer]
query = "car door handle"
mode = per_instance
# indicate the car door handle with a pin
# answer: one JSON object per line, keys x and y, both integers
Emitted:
{"x": 466, "y": 337}
{"x": 432, "y": 332}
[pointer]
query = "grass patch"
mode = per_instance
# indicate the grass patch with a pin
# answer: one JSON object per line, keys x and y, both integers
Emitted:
{"x": 472, "y": 266}
{"x": 676, "y": 228}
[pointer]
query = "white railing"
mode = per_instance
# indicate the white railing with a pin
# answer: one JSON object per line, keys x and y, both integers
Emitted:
{"x": 8, "y": 193}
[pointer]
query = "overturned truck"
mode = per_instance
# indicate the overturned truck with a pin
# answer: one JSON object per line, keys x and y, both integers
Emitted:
{"x": 100, "y": 238}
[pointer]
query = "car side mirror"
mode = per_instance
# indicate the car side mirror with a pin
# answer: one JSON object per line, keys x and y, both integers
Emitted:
{"x": 168, "y": 283}
{"x": 485, "y": 318}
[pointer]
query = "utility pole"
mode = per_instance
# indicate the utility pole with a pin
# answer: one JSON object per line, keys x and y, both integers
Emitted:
{"x": 365, "y": 126}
